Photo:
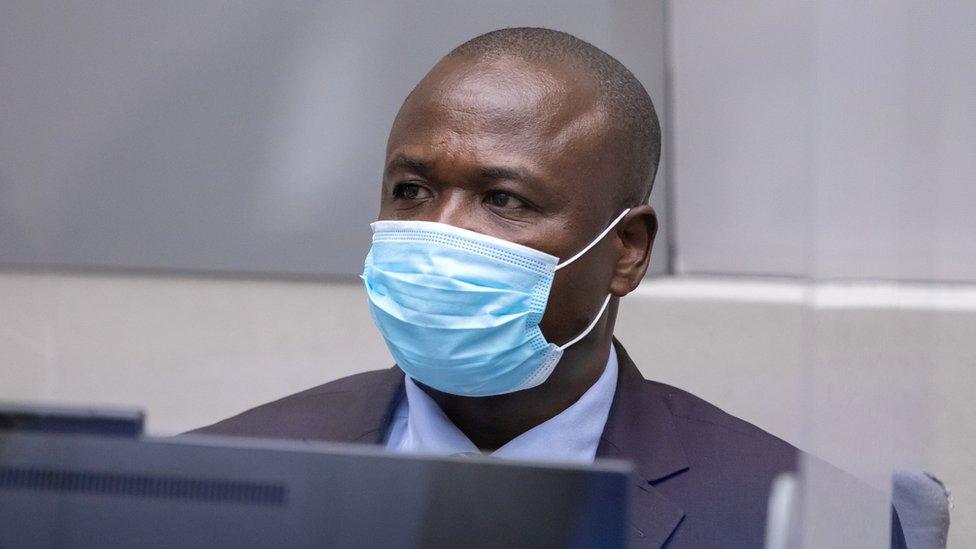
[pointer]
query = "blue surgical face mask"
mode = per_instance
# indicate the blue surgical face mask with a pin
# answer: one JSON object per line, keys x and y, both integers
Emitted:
{"x": 460, "y": 310}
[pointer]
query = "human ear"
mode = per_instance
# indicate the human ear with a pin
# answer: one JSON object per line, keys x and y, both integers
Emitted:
{"x": 635, "y": 234}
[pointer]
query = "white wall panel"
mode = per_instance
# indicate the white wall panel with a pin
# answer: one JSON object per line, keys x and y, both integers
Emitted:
{"x": 898, "y": 375}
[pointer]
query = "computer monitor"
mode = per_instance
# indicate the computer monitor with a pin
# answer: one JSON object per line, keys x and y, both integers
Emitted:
{"x": 72, "y": 491}
{"x": 71, "y": 419}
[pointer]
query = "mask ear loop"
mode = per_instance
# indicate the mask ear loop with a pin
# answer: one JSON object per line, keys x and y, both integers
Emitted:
{"x": 594, "y": 242}
{"x": 590, "y": 327}
{"x": 606, "y": 301}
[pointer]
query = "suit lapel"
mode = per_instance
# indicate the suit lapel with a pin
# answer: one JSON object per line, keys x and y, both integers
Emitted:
{"x": 640, "y": 429}
{"x": 374, "y": 404}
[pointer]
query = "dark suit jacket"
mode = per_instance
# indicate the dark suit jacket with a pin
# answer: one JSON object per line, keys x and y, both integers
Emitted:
{"x": 703, "y": 476}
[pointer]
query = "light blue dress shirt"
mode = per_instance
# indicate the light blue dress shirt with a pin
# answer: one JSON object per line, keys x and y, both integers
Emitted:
{"x": 419, "y": 426}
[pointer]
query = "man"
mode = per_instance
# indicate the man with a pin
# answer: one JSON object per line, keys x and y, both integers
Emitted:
{"x": 513, "y": 218}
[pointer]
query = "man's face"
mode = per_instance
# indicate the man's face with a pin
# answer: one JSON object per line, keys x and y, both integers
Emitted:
{"x": 515, "y": 151}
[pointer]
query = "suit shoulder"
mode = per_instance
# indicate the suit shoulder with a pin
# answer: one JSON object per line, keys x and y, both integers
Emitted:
{"x": 713, "y": 425}
{"x": 279, "y": 418}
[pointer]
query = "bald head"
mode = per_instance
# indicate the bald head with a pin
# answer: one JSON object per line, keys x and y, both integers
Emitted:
{"x": 628, "y": 108}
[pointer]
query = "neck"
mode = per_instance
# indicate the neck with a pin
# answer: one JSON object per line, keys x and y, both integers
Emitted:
{"x": 491, "y": 422}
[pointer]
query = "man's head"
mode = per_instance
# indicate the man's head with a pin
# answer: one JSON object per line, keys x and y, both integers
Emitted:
{"x": 540, "y": 138}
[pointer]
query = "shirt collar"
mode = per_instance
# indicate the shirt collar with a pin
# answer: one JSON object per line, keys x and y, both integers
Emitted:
{"x": 571, "y": 436}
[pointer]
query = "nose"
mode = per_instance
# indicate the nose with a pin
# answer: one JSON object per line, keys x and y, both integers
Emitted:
{"x": 457, "y": 208}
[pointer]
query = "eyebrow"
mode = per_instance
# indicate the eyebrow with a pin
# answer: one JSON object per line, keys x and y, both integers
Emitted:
{"x": 405, "y": 163}
{"x": 401, "y": 162}
{"x": 496, "y": 173}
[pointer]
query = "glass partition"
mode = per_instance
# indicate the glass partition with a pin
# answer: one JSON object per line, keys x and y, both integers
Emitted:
{"x": 886, "y": 377}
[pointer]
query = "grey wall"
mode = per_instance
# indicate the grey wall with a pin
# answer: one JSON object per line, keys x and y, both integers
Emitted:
{"x": 829, "y": 139}
{"x": 234, "y": 136}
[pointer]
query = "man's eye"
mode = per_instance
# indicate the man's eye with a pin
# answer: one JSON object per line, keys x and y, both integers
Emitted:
{"x": 504, "y": 200}
{"x": 409, "y": 191}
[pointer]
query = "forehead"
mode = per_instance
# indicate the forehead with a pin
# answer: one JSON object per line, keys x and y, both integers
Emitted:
{"x": 548, "y": 117}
